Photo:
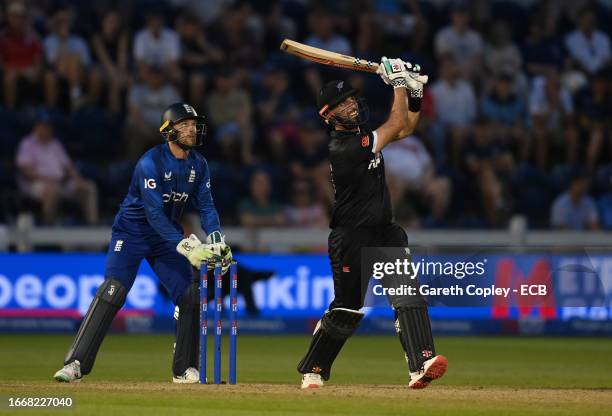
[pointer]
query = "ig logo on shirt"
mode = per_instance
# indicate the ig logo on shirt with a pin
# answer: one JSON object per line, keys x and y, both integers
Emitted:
{"x": 150, "y": 184}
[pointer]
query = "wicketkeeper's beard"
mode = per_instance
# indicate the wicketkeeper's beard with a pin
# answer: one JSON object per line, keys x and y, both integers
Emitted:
{"x": 187, "y": 139}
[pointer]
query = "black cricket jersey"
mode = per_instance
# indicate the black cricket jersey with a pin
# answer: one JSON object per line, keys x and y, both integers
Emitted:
{"x": 358, "y": 179}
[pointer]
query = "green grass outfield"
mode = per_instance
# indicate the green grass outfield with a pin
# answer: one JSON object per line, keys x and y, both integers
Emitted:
{"x": 496, "y": 375}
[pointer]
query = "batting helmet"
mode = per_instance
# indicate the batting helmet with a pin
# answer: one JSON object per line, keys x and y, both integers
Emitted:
{"x": 331, "y": 95}
{"x": 176, "y": 113}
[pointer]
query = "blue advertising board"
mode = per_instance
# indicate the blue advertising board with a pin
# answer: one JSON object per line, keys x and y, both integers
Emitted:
{"x": 61, "y": 286}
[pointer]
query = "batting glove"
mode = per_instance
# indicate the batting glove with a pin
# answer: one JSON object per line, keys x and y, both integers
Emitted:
{"x": 393, "y": 72}
{"x": 415, "y": 81}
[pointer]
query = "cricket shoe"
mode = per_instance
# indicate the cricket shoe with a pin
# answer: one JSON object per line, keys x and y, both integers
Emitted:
{"x": 190, "y": 376}
{"x": 312, "y": 381}
{"x": 432, "y": 369}
{"x": 70, "y": 373}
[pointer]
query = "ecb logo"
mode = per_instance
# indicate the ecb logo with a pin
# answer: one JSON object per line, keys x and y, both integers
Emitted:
{"x": 189, "y": 109}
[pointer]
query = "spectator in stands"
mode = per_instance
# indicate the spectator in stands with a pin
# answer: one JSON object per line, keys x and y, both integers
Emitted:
{"x": 503, "y": 57}
{"x": 158, "y": 46}
{"x": 490, "y": 163}
{"x": 503, "y": 106}
{"x": 228, "y": 139}
{"x": 20, "y": 54}
{"x": 413, "y": 181}
{"x": 145, "y": 104}
{"x": 506, "y": 110}
{"x": 323, "y": 36}
{"x": 464, "y": 44}
{"x": 588, "y": 47}
{"x": 574, "y": 209}
{"x": 309, "y": 160}
{"x": 455, "y": 103}
{"x": 206, "y": 11}
{"x": 280, "y": 141}
{"x": 277, "y": 27}
{"x": 110, "y": 46}
{"x": 276, "y": 149}
{"x": 47, "y": 175}
{"x": 401, "y": 22}
{"x": 305, "y": 210}
{"x": 67, "y": 57}
{"x": 229, "y": 106}
{"x": 198, "y": 56}
{"x": 542, "y": 53}
{"x": 594, "y": 115}
{"x": 259, "y": 210}
{"x": 551, "y": 112}
{"x": 238, "y": 30}
{"x": 275, "y": 103}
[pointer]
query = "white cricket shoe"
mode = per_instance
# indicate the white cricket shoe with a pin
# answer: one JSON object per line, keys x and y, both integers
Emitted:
{"x": 433, "y": 369}
{"x": 190, "y": 376}
{"x": 70, "y": 373}
{"x": 312, "y": 381}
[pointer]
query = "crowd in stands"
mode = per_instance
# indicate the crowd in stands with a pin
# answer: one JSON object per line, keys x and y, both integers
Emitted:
{"x": 516, "y": 117}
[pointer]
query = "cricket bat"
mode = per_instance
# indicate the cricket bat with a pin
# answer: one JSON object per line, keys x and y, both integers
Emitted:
{"x": 324, "y": 57}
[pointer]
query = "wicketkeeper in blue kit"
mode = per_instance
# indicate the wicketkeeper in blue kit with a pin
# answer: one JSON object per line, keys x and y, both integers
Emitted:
{"x": 148, "y": 227}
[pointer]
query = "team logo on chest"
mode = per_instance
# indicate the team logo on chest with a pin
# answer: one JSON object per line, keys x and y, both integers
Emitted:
{"x": 192, "y": 175}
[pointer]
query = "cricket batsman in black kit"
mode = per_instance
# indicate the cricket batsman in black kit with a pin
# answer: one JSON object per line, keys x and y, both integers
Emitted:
{"x": 147, "y": 226}
{"x": 362, "y": 217}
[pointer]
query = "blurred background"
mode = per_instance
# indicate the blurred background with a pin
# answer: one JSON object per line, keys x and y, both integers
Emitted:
{"x": 513, "y": 148}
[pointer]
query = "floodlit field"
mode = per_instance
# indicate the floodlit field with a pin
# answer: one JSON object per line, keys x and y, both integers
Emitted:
{"x": 501, "y": 376}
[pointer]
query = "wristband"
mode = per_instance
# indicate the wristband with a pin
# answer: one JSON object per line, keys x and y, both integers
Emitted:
{"x": 414, "y": 104}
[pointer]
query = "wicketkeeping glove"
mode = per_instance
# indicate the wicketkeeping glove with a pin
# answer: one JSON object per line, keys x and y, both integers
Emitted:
{"x": 195, "y": 251}
{"x": 216, "y": 242}
{"x": 393, "y": 72}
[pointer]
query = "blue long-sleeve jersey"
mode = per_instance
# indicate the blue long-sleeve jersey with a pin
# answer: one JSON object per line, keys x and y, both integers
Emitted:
{"x": 161, "y": 187}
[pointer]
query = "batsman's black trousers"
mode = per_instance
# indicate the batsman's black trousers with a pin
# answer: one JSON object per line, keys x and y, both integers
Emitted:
{"x": 344, "y": 248}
